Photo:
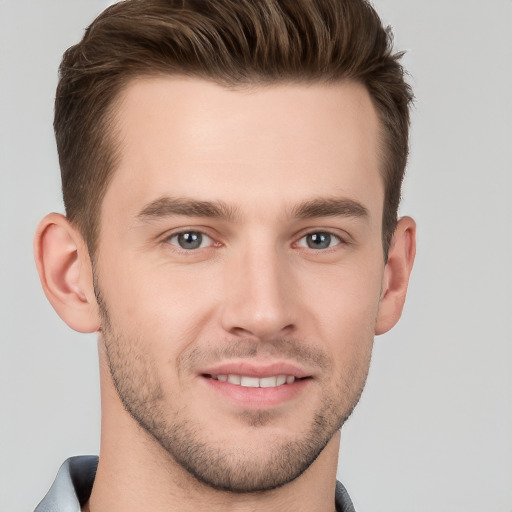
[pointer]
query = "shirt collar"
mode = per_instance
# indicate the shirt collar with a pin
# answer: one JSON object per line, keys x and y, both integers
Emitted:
{"x": 73, "y": 484}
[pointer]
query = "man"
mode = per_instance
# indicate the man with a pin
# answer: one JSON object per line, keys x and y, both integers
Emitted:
{"x": 231, "y": 173}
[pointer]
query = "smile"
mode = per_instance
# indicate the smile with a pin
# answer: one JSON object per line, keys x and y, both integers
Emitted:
{"x": 255, "y": 382}
{"x": 259, "y": 387}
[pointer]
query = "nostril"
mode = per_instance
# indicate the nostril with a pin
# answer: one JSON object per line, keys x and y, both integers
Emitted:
{"x": 240, "y": 331}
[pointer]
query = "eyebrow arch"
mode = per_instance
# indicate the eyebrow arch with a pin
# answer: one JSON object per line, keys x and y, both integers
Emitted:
{"x": 319, "y": 207}
{"x": 171, "y": 206}
{"x": 330, "y": 207}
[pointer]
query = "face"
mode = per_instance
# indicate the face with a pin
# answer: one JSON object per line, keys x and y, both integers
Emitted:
{"x": 239, "y": 271}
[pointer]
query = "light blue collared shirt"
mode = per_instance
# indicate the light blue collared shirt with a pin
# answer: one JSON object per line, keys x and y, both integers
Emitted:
{"x": 73, "y": 485}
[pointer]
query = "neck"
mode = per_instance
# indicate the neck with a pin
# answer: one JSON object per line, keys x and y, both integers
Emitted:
{"x": 136, "y": 473}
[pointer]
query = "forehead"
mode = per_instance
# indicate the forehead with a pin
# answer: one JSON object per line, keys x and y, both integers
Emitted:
{"x": 274, "y": 144}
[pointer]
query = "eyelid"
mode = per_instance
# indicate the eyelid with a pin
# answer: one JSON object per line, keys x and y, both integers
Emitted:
{"x": 332, "y": 235}
{"x": 166, "y": 239}
{"x": 343, "y": 238}
{"x": 204, "y": 238}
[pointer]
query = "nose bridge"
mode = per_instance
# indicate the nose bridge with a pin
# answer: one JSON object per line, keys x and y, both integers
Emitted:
{"x": 257, "y": 300}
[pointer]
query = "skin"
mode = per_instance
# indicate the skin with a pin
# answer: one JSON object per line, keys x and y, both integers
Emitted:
{"x": 258, "y": 173}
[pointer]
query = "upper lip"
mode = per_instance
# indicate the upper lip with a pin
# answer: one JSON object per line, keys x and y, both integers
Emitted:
{"x": 254, "y": 369}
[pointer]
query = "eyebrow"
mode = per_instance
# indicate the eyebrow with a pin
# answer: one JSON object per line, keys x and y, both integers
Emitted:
{"x": 330, "y": 207}
{"x": 318, "y": 207}
{"x": 171, "y": 206}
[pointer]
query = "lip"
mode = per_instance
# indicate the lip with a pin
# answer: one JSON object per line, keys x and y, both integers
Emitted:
{"x": 259, "y": 370}
{"x": 255, "y": 398}
{"x": 247, "y": 398}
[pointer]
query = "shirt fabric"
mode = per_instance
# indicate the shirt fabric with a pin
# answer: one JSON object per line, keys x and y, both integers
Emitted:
{"x": 73, "y": 485}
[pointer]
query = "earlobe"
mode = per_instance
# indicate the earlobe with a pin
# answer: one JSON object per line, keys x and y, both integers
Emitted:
{"x": 396, "y": 275}
{"x": 65, "y": 272}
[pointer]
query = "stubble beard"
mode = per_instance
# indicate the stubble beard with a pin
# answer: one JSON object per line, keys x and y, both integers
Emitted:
{"x": 222, "y": 467}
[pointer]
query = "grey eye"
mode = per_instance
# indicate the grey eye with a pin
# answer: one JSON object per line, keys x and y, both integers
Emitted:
{"x": 190, "y": 240}
{"x": 319, "y": 240}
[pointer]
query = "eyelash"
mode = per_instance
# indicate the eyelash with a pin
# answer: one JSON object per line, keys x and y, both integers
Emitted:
{"x": 338, "y": 239}
{"x": 332, "y": 236}
{"x": 169, "y": 239}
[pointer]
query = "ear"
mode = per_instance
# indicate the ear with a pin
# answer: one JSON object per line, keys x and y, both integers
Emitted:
{"x": 396, "y": 275}
{"x": 65, "y": 271}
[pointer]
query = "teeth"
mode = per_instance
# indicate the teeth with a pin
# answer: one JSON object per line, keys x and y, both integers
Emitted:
{"x": 234, "y": 379}
{"x": 255, "y": 382}
{"x": 250, "y": 382}
{"x": 281, "y": 379}
{"x": 268, "y": 382}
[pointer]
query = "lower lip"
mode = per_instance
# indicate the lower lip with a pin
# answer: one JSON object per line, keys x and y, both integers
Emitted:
{"x": 257, "y": 398}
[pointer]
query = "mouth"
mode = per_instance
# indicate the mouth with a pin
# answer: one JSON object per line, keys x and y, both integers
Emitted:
{"x": 256, "y": 386}
{"x": 248, "y": 381}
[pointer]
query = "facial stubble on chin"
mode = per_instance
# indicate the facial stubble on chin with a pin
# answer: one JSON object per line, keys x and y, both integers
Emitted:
{"x": 222, "y": 467}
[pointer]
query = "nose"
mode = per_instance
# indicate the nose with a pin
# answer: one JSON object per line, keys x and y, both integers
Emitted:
{"x": 258, "y": 299}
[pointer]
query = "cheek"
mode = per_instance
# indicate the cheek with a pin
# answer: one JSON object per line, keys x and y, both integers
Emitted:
{"x": 162, "y": 305}
{"x": 346, "y": 309}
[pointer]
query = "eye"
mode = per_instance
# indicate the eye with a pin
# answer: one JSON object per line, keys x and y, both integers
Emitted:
{"x": 319, "y": 240}
{"x": 190, "y": 240}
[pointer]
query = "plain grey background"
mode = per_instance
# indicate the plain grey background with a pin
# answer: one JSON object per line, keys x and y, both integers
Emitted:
{"x": 433, "y": 431}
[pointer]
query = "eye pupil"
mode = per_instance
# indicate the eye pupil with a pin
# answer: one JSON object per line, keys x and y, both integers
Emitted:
{"x": 319, "y": 240}
{"x": 190, "y": 240}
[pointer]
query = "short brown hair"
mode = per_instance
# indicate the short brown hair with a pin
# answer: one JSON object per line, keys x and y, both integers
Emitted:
{"x": 233, "y": 43}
